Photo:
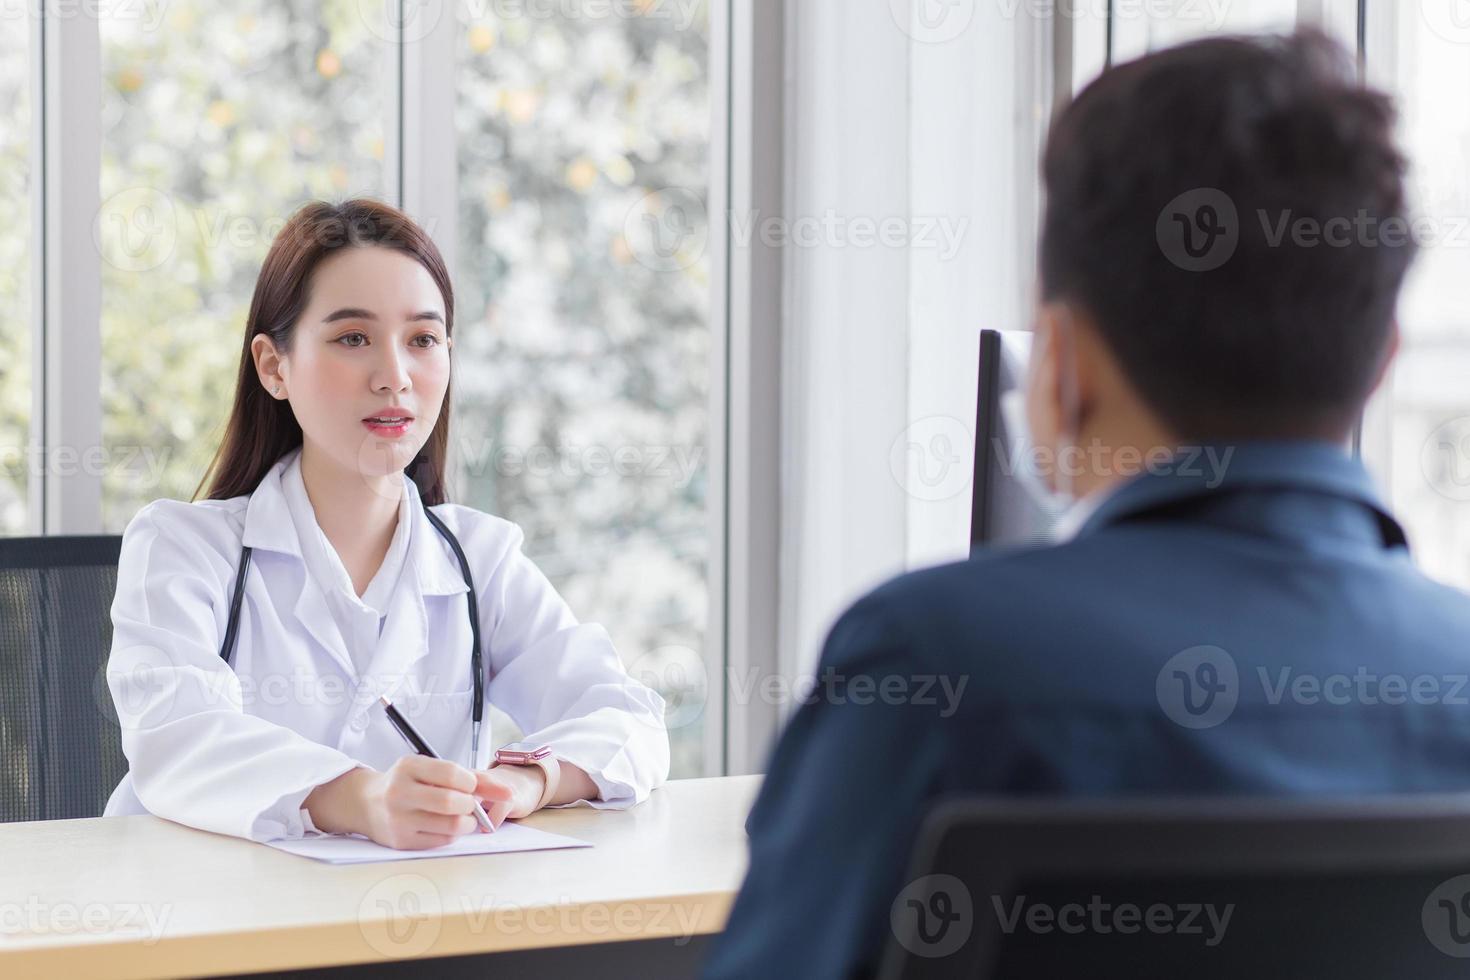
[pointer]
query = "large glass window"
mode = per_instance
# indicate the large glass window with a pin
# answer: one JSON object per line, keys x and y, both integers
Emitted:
{"x": 1417, "y": 433}
{"x": 1139, "y": 28}
{"x": 583, "y": 336}
{"x": 16, "y": 385}
{"x": 217, "y": 123}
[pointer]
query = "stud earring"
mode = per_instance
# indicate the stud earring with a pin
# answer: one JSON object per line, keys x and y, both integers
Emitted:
{"x": 276, "y": 390}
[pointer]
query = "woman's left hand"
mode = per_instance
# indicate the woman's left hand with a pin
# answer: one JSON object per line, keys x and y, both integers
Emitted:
{"x": 509, "y": 792}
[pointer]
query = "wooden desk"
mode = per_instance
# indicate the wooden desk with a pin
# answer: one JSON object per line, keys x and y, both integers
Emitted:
{"x": 143, "y": 897}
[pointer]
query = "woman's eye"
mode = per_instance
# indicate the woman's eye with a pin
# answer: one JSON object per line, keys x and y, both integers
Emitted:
{"x": 359, "y": 339}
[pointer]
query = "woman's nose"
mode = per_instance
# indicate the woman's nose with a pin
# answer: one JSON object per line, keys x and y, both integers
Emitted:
{"x": 391, "y": 373}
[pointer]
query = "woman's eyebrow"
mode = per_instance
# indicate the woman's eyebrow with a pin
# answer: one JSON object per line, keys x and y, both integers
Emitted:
{"x": 349, "y": 313}
{"x": 357, "y": 313}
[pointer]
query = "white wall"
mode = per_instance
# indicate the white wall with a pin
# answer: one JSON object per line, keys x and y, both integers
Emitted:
{"x": 935, "y": 123}
{"x": 845, "y": 334}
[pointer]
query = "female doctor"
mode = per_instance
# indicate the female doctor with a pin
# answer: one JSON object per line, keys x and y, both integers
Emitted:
{"x": 326, "y": 528}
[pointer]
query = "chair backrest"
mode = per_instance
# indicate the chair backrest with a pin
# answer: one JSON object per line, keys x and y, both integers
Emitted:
{"x": 1370, "y": 887}
{"x": 60, "y": 750}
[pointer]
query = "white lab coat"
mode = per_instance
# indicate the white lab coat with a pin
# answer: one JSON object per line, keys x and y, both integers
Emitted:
{"x": 235, "y": 748}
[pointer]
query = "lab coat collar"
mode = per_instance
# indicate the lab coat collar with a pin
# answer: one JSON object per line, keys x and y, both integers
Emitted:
{"x": 268, "y": 527}
{"x": 431, "y": 570}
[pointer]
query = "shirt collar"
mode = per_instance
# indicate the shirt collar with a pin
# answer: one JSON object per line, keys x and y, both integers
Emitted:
{"x": 269, "y": 527}
{"x": 1195, "y": 472}
{"x": 320, "y": 556}
{"x": 1075, "y": 517}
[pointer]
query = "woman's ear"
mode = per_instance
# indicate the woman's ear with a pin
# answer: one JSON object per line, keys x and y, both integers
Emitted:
{"x": 268, "y": 364}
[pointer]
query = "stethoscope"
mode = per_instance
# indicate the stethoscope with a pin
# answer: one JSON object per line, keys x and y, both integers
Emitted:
{"x": 478, "y": 711}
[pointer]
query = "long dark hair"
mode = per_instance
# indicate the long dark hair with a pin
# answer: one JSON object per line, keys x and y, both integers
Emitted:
{"x": 262, "y": 429}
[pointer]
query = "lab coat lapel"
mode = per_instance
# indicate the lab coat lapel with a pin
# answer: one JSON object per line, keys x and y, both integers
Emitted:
{"x": 269, "y": 527}
{"x": 312, "y": 613}
{"x": 428, "y": 571}
{"x": 405, "y": 638}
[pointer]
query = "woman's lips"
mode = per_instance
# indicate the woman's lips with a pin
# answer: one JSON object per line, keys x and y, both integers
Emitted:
{"x": 387, "y": 429}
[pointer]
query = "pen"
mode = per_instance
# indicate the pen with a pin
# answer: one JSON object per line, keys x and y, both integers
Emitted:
{"x": 416, "y": 740}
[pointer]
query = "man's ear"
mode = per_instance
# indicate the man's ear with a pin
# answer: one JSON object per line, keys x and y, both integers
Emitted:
{"x": 1074, "y": 354}
{"x": 1093, "y": 365}
{"x": 1041, "y": 373}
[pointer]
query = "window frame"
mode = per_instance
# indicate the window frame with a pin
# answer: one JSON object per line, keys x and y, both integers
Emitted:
{"x": 66, "y": 400}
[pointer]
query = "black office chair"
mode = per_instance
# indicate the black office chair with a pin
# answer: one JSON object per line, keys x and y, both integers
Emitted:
{"x": 1371, "y": 888}
{"x": 60, "y": 754}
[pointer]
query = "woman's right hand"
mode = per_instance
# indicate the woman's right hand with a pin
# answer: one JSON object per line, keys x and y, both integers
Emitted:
{"x": 418, "y": 803}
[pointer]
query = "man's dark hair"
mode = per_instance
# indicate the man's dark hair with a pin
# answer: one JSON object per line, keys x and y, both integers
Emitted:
{"x": 1233, "y": 326}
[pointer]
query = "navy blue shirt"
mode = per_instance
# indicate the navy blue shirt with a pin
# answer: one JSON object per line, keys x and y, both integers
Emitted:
{"x": 1260, "y": 631}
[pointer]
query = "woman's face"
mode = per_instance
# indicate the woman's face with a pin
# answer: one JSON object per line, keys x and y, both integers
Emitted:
{"x": 371, "y": 342}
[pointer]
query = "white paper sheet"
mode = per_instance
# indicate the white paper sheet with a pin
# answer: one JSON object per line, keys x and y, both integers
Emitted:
{"x": 350, "y": 849}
